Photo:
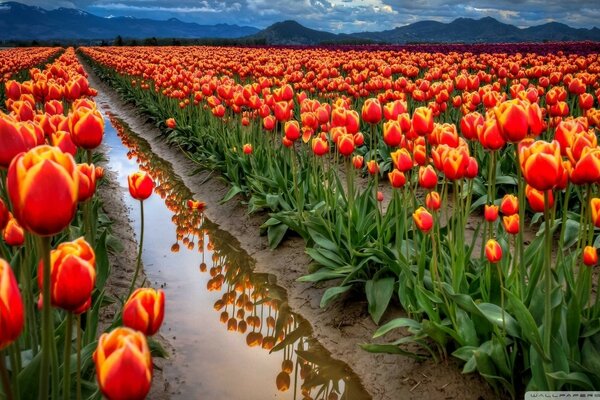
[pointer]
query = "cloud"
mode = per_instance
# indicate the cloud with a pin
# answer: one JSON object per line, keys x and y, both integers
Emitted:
{"x": 343, "y": 15}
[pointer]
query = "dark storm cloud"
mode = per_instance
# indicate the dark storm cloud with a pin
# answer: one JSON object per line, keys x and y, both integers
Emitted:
{"x": 342, "y": 15}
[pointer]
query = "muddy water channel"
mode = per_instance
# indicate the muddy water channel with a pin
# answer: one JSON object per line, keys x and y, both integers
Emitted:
{"x": 233, "y": 333}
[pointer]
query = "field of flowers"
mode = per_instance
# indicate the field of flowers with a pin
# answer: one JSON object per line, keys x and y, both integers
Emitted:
{"x": 55, "y": 242}
{"x": 380, "y": 159}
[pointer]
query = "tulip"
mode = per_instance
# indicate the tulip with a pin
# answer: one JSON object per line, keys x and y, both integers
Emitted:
{"x": 196, "y": 205}
{"x": 595, "y": 207}
{"x": 541, "y": 164}
{"x": 472, "y": 168}
{"x": 379, "y": 196}
{"x": 42, "y": 185}
{"x": 352, "y": 122}
{"x": 509, "y": 204}
{"x": 72, "y": 276}
{"x": 12, "y": 89}
{"x": 587, "y": 168}
{"x": 4, "y": 215}
{"x": 590, "y": 256}
{"x": 87, "y": 128}
{"x": 455, "y": 163}
{"x": 12, "y": 141}
{"x": 470, "y": 123}
{"x": 87, "y": 181}
{"x": 402, "y": 160}
{"x": 140, "y": 185}
{"x": 292, "y": 130}
{"x": 269, "y": 123}
{"x": 345, "y": 144}
{"x": 371, "y": 111}
{"x": 320, "y": 146}
{"x": 423, "y": 219}
{"x": 512, "y": 120}
{"x": 247, "y": 148}
{"x": 433, "y": 201}
{"x": 62, "y": 140}
{"x": 511, "y": 224}
{"x": 422, "y": 121}
{"x": 145, "y": 311}
{"x": 171, "y": 124}
{"x": 491, "y": 212}
{"x": 392, "y": 133}
{"x": 123, "y": 365}
{"x": 536, "y": 199}
{"x": 13, "y": 233}
{"x": 490, "y": 136}
{"x": 372, "y": 167}
{"x": 11, "y": 307}
{"x": 397, "y": 178}
{"x": 427, "y": 177}
{"x": 493, "y": 251}
{"x": 358, "y": 161}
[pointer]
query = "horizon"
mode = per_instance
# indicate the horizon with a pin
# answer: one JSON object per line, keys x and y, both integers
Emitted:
{"x": 337, "y": 16}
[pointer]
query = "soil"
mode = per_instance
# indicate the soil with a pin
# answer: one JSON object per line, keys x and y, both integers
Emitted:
{"x": 340, "y": 328}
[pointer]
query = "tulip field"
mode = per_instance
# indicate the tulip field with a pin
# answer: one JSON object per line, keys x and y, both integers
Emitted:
{"x": 380, "y": 159}
{"x": 456, "y": 186}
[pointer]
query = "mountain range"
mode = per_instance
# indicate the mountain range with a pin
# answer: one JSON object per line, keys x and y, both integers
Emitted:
{"x": 22, "y": 22}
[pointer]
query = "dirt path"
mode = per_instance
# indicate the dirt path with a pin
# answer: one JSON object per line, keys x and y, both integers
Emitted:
{"x": 341, "y": 327}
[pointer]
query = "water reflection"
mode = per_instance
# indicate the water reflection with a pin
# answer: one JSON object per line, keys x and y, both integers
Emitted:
{"x": 246, "y": 303}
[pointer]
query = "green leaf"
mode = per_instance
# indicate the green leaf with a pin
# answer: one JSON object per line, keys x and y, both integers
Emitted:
{"x": 231, "y": 194}
{"x": 389, "y": 349}
{"x": 157, "y": 349}
{"x": 379, "y": 293}
{"x": 332, "y": 293}
{"x": 529, "y": 328}
{"x": 396, "y": 324}
{"x": 580, "y": 380}
{"x": 275, "y": 234}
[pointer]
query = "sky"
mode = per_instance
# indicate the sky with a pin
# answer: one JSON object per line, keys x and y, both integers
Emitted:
{"x": 342, "y": 15}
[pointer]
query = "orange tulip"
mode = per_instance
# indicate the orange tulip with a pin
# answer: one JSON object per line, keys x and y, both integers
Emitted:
{"x": 196, "y": 205}
{"x": 541, "y": 164}
{"x": 512, "y": 120}
{"x": 13, "y": 233}
{"x": 433, "y": 201}
{"x": 511, "y": 224}
{"x": 292, "y": 130}
{"x": 590, "y": 256}
{"x": 422, "y": 121}
{"x": 171, "y": 124}
{"x": 470, "y": 123}
{"x": 320, "y": 146}
{"x": 427, "y": 177}
{"x": 455, "y": 163}
{"x": 140, "y": 185}
{"x": 371, "y": 111}
{"x": 397, "y": 178}
{"x": 123, "y": 365}
{"x": 491, "y": 212}
{"x": 42, "y": 185}
{"x": 87, "y": 181}
{"x": 269, "y": 123}
{"x": 145, "y": 311}
{"x": 536, "y": 199}
{"x": 358, "y": 162}
{"x": 392, "y": 133}
{"x": 345, "y": 144}
{"x": 72, "y": 276}
{"x": 587, "y": 169}
{"x": 402, "y": 160}
{"x": 87, "y": 128}
{"x": 62, "y": 140}
{"x": 509, "y": 204}
{"x": 11, "y": 306}
{"x": 423, "y": 219}
{"x": 595, "y": 207}
{"x": 493, "y": 251}
{"x": 372, "y": 167}
{"x": 12, "y": 141}
{"x": 490, "y": 136}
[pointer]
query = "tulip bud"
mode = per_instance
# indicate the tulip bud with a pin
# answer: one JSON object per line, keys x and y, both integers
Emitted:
{"x": 358, "y": 162}
{"x": 123, "y": 365}
{"x": 372, "y": 167}
{"x": 11, "y": 306}
{"x": 493, "y": 251}
{"x": 379, "y": 196}
{"x": 397, "y": 178}
{"x": 171, "y": 124}
{"x": 590, "y": 256}
{"x": 595, "y": 207}
{"x": 140, "y": 185}
{"x": 145, "y": 311}
{"x": 491, "y": 213}
{"x": 433, "y": 201}
{"x": 87, "y": 181}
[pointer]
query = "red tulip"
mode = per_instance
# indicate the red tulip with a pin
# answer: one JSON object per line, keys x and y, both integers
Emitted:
{"x": 247, "y": 148}
{"x": 397, "y": 178}
{"x": 145, "y": 311}
{"x": 427, "y": 177}
{"x": 371, "y": 111}
{"x": 493, "y": 251}
{"x": 87, "y": 128}
{"x": 491, "y": 213}
{"x": 590, "y": 256}
{"x": 11, "y": 306}
{"x": 123, "y": 365}
{"x": 433, "y": 201}
{"x": 140, "y": 185}
{"x": 423, "y": 219}
{"x": 13, "y": 233}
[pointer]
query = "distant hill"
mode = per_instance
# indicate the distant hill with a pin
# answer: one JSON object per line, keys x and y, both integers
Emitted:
{"x": 461, "y": 30}
{"x": 21, "y": 22}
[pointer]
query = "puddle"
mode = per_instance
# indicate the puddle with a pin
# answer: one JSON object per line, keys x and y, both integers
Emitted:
{"x": 234, "y": 335}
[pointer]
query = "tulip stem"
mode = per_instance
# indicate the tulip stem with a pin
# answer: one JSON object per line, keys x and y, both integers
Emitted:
{"x": 520, "y": 250}
{"x": 78, "y": 325}
{"x": 548, "y": 278}
{"x": 47, "y": 323}
{"x": 139, "y": 256}
{"x": 5, "y": 378}
{"x": 67, "y": 358}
